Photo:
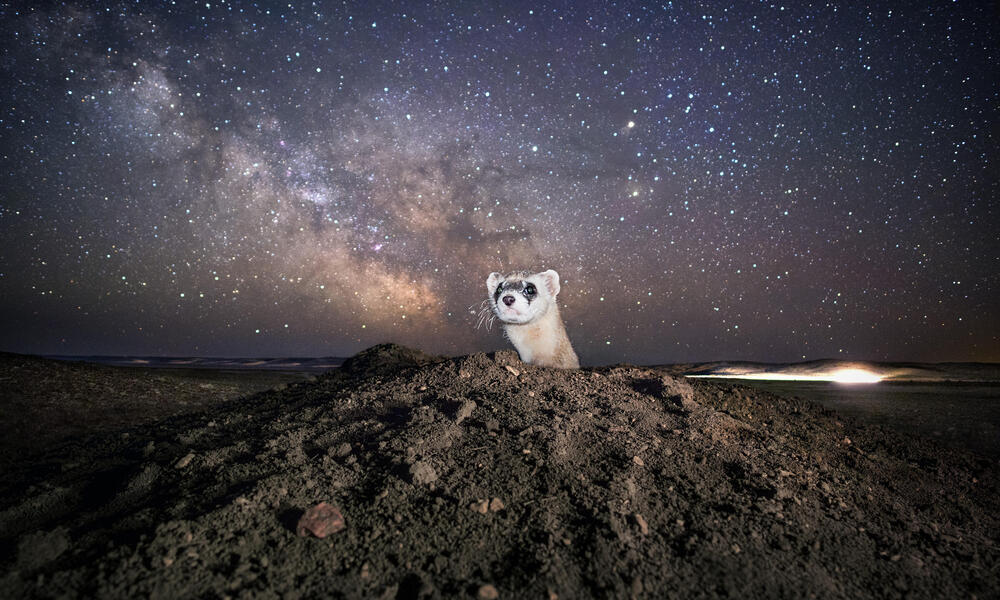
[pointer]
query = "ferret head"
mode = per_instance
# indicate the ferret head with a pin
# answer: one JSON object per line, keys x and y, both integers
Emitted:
{"x": 521, "y": 298}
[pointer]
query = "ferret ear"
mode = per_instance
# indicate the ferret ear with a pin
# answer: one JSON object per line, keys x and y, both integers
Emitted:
{"x": 551, "y": 279}
{"x": 493, "y": 281}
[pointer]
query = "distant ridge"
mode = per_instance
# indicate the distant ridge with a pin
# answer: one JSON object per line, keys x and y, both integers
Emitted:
{"x": 311, "y": 364}
{"x": 971, "y": 372}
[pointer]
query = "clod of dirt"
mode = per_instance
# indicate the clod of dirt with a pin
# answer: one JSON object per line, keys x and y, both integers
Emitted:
{"x": 422, "y": 473}
{"x": 321, "y": 520}
{"x": 465, "y": 411}
{"x": 641, "y": 522}
{"x": 38, "y": 549}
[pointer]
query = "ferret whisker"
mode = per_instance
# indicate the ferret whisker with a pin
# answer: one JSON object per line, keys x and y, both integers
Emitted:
{"x": 485, "y": 314}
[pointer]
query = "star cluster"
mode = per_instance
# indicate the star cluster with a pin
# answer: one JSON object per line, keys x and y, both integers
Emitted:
{"x": 712, "y": 181}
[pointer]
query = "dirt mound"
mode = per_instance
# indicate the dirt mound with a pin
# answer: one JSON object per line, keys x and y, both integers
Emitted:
{"x": 386, "y": 359}
{"x": 482, "y": 475}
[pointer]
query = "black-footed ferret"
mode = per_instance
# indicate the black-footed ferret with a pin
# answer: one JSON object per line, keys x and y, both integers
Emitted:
{"x": 526, "y": 305}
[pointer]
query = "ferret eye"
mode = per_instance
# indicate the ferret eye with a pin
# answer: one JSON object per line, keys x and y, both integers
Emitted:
{"x": 530, "y": 290}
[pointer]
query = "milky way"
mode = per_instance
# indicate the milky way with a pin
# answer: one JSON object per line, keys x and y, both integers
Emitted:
{"x": 747, "y": 181}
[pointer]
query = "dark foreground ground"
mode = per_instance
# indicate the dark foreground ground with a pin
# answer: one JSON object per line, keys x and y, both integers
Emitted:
{"x": 481, "y": 475}
{"x": 43, "y": 402}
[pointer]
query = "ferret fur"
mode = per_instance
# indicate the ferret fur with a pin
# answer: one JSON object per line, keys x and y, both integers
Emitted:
{"x": 531, "y": 321}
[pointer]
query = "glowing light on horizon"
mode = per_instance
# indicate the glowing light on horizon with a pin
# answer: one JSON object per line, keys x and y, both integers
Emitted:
{"x": 851, "y": 375}
{"x": 856, "y": 376}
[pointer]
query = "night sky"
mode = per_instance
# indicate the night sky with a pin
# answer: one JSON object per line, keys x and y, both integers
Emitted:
{"x": 749, "y": 181}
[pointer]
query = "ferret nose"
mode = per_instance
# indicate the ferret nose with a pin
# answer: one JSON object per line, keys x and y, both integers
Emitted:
{"x": 508, "y": 300}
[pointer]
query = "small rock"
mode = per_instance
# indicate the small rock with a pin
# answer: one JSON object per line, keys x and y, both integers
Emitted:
{"x": 531, "y": 394}
{"x": 636, "y": 587}
{"x": 641, "y": 522}
{"x": 343, "y": 449}
{"x": 184, "y": 461}
{"x": 422, "y": 472}
{"x": 40, "y": 548}
{"x": 638, "y": 461}
{"x": 496, "y": 505}
{"x": 465, "y": 411}
{"x": 492, "y": 425}
{"x": 487, "y": 592}
{"x": 321, "y": 520}
{"x": 513, "y": 371}
{"x": 423, "y": 388}
{"x": 479, "y": 506}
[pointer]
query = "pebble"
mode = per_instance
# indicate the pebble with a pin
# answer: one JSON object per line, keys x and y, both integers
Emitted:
{"x": 321, "y": 520}
{"x": 496, "y": 505}
{"x": 479, "y": 506}
{"x": 512, "y": 370}
{"x": 638, "y": 461}
{"x": 185, "y": 461}
{"x": 465, "y": 411}
{"x": 643, "y": 525}
{"x": 487, "y": 592}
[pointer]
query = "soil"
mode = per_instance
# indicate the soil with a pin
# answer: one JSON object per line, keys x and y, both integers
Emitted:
{"x": 45, "y": 401}
{"x": 484, "y": 477}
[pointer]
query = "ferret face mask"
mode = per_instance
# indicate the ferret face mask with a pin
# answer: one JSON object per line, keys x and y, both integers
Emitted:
{"x": 520, "y": 298}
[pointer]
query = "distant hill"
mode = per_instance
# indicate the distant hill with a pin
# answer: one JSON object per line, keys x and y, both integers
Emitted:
{"x": 889, "y": 371}
{"x": 313, "y": 364}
